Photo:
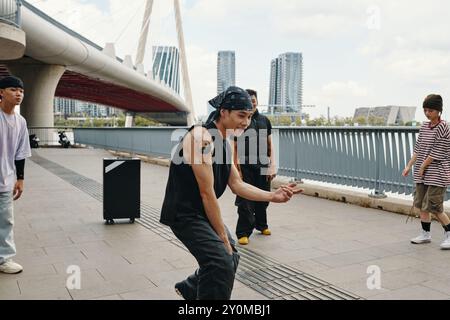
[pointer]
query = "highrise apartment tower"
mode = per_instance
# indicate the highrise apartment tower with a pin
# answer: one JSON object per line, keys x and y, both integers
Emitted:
{"x": 286, "y": 83}
{"x": 166, "y": 66}
{"x": 226, "y": 70}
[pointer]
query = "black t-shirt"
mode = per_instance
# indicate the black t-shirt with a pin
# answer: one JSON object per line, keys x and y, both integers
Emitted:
{"x": 182, "y": 198}
{"x": 255, "y": 138}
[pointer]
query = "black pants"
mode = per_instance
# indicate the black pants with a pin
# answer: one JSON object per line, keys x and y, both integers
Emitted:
{"x": 252, "y": 214}
{"x": 214, "y": 279}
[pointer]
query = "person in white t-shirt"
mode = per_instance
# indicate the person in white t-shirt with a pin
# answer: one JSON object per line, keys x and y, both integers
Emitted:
{"x": 14, "y": 149}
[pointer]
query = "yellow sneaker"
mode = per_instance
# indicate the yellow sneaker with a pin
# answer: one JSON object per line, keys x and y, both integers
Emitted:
{"x": 266, "y": 232}
{"x": 243, "y": 241}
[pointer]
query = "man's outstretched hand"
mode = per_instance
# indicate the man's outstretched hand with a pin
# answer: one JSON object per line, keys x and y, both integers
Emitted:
{"x": 285, "y": 193}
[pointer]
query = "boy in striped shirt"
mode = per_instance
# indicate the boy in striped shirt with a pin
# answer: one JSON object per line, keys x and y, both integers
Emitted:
{"x": 431, "y": 170}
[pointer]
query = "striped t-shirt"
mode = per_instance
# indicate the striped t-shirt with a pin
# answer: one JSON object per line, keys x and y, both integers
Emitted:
{"x": 434, "y": 142}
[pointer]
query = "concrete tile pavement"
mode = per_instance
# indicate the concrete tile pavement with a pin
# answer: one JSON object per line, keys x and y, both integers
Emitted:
{"x": 58, "y": 226}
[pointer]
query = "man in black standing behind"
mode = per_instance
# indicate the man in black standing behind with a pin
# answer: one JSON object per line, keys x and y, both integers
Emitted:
{"x": 256, "y": 169}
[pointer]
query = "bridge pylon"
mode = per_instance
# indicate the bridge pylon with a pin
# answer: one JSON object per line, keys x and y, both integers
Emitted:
{"x": 191, "y": 119}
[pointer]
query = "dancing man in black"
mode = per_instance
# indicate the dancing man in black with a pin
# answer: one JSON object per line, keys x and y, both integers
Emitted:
{"x": 199, "y": 173}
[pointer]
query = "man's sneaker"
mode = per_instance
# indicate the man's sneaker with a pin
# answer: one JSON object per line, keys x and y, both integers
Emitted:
{"x": 11, "y": 267}
{"x": 424, "y": 237}
{"x": 243, "y": 241}
{"x": 179, "y": 290}
{"x": 184, "y": 292}
{"x": 266, "y": 232}
{"x": 445, "y": 245}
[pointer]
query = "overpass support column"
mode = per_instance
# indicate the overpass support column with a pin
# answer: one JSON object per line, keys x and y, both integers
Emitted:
{"x": 40, "y": 82}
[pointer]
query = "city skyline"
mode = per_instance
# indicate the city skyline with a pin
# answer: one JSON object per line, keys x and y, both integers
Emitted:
{"x": 356, "y": 53}
{"x": 68, "y": 107}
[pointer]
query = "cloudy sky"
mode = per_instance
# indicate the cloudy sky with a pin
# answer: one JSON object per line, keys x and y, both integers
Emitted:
{"x": 356, "y": 53}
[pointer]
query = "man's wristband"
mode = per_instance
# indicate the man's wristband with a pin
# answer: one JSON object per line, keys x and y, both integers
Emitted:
{"x": 20, "y": 169}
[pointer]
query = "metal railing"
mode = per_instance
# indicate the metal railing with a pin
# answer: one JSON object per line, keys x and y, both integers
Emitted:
{"x": 369, "y": 157}
{"x": 155, "y": 141}
{"x": 372, "y": 158}
{"x": 10, "y": 12}
{"x": 48, "y": 137}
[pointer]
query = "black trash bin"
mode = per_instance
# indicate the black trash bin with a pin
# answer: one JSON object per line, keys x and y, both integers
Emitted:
{"x": 121, "y": 189}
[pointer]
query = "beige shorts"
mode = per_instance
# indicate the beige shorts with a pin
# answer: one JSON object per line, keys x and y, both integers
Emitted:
{"x": 429, "y": 198}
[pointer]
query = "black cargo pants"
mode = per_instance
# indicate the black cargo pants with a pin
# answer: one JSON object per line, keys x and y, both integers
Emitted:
{"x": 252, "y": 214}
{"x": 214, "y": 279}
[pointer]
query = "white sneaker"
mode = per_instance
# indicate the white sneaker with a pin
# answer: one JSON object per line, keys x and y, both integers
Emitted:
{"x": 11, "y": 267}
{"x": 445, "y": 245}
{"x": 424, "y": 237}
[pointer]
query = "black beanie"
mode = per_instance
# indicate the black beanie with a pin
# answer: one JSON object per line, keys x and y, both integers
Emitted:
{"x": 433, "y": 101}
{"x": 11, "y": 82}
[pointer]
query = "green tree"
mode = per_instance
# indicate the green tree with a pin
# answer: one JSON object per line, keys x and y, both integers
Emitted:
{"x": 97, "y": 123}
{"x": 121, "y": 121}
{"x": 145, "y": 122}
{"x": 360, "y": 120}
{"x": 376, "y": 121}
{"x": 88, "y": 123}
{"x": 284, "y": 120}
{"x": 338, "y": 122}
{"x": 298, "y": 121}
{"x": 318, "y": 122}
{"x": 306, "y": 118}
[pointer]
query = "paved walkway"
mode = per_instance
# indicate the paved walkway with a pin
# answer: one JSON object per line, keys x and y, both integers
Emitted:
{"x": 59, "y": 225}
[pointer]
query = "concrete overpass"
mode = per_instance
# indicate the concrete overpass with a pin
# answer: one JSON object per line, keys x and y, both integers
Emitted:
{"x": 60, "y": 62}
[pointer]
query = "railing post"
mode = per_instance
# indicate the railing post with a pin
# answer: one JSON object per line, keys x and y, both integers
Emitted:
{"x": 378, "y": 193}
